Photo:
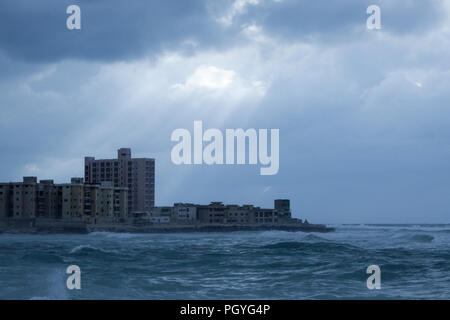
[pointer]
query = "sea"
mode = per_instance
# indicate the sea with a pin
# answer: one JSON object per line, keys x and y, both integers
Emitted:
{"x": 413, "y": 260}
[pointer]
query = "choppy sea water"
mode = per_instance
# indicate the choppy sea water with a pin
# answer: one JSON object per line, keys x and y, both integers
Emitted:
{"x": 414, "y": 262}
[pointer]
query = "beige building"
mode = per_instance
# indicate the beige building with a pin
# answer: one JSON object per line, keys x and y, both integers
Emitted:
{"x": 73, "y": 201}
{"x": 94, "y": 203}
{"x": 19, "y": 199}
{"x": 49, "y": 200}
{"x": 136, "y": 174}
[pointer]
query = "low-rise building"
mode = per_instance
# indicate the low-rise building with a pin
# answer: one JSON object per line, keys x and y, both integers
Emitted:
{"x": 185, "y": 213}
{"x": 214, "y": 213}
{"x": 239, "y": 214}
{"x": 19, "y": 199}
{"x": 161, "y": 215}
{"x": 74, "y": 201}
{"x": 218, "y": 213}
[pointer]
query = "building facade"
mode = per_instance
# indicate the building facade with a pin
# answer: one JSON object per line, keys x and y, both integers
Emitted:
{"x": 218, "y": 213}
{"x": 184, "y": 213}
{"x": 19, "y": 199}
{"x": 136, "y": 174}
{"x": 74, "y": 201}
{"x": 161, "y": 215}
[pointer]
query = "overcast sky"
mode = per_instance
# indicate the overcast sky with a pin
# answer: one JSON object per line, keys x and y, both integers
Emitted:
{"x": 364, "y": 115}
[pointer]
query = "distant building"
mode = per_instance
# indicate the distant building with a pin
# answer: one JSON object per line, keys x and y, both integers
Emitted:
{"x": 123, "y": 190}
{"x": 282, "y": 205}
{"x": 71, "y": 201}
{"x": 218, "y": 213}
{"x": 161, "y": 215}
{"x": 214, "y": 213}
{"x": 239, "y": 215}
{"x": 136, "y": 174}
{"x": 185, "y": 212}
{"x": 19, "y": 199}
{"x": 49, "y": 198}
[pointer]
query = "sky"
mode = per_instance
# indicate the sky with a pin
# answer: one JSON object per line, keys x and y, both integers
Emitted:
{"x": 363, "y": 115}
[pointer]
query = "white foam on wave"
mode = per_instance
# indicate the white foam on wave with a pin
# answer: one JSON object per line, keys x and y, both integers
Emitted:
{"x": 117, "y": 235}
{"x": 88, "y": 246}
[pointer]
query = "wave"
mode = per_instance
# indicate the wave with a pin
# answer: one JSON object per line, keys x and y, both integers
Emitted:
{"x": 396, "y": 229}
{"x": 423, "y": 238}
{"x": 118, "y": 235}
{"x": 304, "y": 246}
{"x": 285, "y": 245}
{"x": 88, "y": 248}
{"x": 313, "y": 237}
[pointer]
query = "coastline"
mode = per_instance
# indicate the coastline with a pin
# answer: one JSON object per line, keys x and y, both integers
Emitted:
{"x": 36, "y": 226}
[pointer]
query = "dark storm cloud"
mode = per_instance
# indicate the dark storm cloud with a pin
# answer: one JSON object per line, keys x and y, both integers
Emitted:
{"x": 120, "y": 30}
{"x": 328, "y": 19}
{"x": 36, "y": 30}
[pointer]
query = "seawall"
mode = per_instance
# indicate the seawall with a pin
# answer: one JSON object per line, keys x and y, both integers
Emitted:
{"x": 60, "y": 226}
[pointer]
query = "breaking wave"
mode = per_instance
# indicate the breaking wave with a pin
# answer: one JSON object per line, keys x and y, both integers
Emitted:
{"x": 87, "y": 248}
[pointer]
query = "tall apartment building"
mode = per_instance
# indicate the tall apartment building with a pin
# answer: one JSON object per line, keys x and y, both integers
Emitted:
{"x": 136, "y": 174}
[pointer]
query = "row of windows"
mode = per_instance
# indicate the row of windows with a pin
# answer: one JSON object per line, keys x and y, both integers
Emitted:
{"x": 236, "y": 214}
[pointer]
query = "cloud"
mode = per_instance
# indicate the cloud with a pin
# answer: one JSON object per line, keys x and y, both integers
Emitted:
{"x": 115, "y": 30}
{"x": 238, "y": 7}
{"x": 340, "y": 20}
{"x": 111, "y": 30}
{"x": 209, "y": 77}
{"x": 31, "y": 169}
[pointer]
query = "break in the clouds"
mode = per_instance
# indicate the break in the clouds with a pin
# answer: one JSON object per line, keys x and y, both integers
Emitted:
{"x": 363, "y": 115}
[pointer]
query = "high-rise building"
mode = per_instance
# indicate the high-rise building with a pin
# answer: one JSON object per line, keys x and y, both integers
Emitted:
{"x": 136, "y": 174}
